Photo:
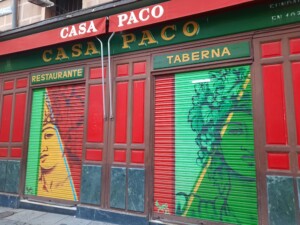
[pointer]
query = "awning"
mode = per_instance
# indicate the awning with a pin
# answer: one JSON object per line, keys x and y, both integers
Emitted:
{"x": 166, "y": 11}
{"x": 59, "y": 35}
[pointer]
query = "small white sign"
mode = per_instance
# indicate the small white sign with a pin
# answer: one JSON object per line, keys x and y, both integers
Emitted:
{"x": 5, "y": 11}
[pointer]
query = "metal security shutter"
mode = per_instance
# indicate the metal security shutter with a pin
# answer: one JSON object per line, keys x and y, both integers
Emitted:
{"x": 204, "y": 165}
{"x": 55, "y": 142}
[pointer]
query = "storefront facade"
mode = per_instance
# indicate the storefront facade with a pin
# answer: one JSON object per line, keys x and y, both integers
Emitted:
{"x": 193, "y": 120}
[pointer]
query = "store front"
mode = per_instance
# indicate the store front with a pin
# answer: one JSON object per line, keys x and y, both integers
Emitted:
{"x": 88, "y": 143}
{"x": 193, "y": 120}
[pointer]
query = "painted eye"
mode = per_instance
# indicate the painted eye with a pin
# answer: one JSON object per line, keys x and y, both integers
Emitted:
{"x": 48, "y": 135}
{"x": 237, "y": 129}
{"x": 234, "y": 131}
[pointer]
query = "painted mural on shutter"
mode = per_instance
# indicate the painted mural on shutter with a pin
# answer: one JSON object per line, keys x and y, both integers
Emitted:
{"x": 204, "y": 146}
{"x": 55, "y": 142}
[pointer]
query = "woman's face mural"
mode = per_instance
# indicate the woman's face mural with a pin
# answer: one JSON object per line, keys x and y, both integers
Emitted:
{"x": 50, "y": 146}
{"x": 55, "y": 143}
{"x": 214, "y": 165}
{"x": 241, "y": 155}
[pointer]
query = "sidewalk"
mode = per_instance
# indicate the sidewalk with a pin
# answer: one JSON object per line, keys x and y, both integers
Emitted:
{"x": 9, "y": 216}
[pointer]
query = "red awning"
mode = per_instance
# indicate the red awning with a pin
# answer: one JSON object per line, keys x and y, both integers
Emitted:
{"x": 166, "y": 11}
{"x": 55, "y": 36}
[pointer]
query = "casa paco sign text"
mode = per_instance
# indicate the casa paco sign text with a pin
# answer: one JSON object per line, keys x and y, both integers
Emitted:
{"x": 59, "y": 35}
{"x": 168, "y": 33}
{"x": 78, "y": 30}
{"x": 164, "y": 11}
{"x": 128, "y": 18}
{"x": 143, "y": 15}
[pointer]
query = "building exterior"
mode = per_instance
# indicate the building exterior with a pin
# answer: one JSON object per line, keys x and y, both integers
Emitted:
{"x": 153, "y": 113}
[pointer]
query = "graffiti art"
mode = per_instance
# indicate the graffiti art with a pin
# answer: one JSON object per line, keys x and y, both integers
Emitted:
{"x": 213, "y": 147}
{"x": 55, "y": 143}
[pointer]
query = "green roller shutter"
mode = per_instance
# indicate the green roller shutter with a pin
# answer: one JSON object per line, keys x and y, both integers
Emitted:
{"x": 212, "y": 175}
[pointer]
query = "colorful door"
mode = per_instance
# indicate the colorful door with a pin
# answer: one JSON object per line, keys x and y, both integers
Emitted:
{"x": 204, "y": 161}
{"x": 117, "y": 139}
{"x": 13, "y": 107}
{"x": 129, "y": 143}
{"x": 277, "y": 101}
{"x": 55, "y": 142}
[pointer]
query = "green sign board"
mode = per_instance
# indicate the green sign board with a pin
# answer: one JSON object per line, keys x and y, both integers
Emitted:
{"x": 202, "y": 55}
{"x": 215, "y": 24}
{"x": 55, "y": 76}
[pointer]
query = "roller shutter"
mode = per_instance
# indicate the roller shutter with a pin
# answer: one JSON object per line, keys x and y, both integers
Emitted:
{"x": 55, "y": 142}
{"x": 204, "y": 164}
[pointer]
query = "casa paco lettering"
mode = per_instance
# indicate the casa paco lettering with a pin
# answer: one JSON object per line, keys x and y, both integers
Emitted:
{"x": 168, "y": 33}
{"x": 76, "y": 30}
{"x": 143, "y": 15}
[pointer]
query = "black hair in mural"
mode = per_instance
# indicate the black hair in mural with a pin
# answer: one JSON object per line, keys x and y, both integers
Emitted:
{"x": 212, "y": 104}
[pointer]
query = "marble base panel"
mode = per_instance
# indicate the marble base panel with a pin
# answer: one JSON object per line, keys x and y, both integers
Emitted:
{"x": 91, "y": 184}
{"x": 9, "y": 176}
{"x": 281, "y": 200}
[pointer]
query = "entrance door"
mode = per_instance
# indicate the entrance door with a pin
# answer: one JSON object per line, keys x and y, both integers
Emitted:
{"x": 277, "y": 69}
{"x": 116, "y": 147}
{"x": 129, "y": 140}
{"x": 204, "y": 164}
{"x": 55, "y": 143}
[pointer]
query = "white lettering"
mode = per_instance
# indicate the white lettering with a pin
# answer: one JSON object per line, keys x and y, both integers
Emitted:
{"x": 76, "y": 30}
{"x": 141, "y": 14}
{"x": 73, "y": 32}
{"x": 92, "y": 28}
{"x": 82, "y": 28}
{"x": 64, "y": 32}
{"x": 158, "y": 14}
{"x": 122, "y": 18}
{"x": 132, "y": 18}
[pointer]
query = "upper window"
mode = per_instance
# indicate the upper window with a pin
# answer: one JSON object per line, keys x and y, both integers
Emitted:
{"x": 59, "y": 7}
{"x": 66, "y": 6}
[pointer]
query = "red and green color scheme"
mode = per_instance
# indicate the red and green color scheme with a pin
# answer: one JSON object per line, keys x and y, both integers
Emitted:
{"x": 204, "y": 164}
{"x": 55, "y": 142}
{"x": 200, "y": 27}
{"x": 59, "y": 35}
{"x": 165, "y": 11}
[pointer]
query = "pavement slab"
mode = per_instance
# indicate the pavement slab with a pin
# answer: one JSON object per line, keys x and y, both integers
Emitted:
{"x": 6, "y": 214}
{"x": 25, "y": 216}
{"x": 32, "y": 217}
{"x": 73, "y": 221}
{"x": 99, "y": 223}
{"x": 11, "y": 222}
{"x": 47, "y": 219}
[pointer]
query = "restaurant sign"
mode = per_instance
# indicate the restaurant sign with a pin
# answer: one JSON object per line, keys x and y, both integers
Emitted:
{"x": 172, "y": 9}
{"x": 59, "y": 35}
{"x": 55, "y": 76}
{"x": 202, "y": 55}
{"x": 200, "y": 27}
